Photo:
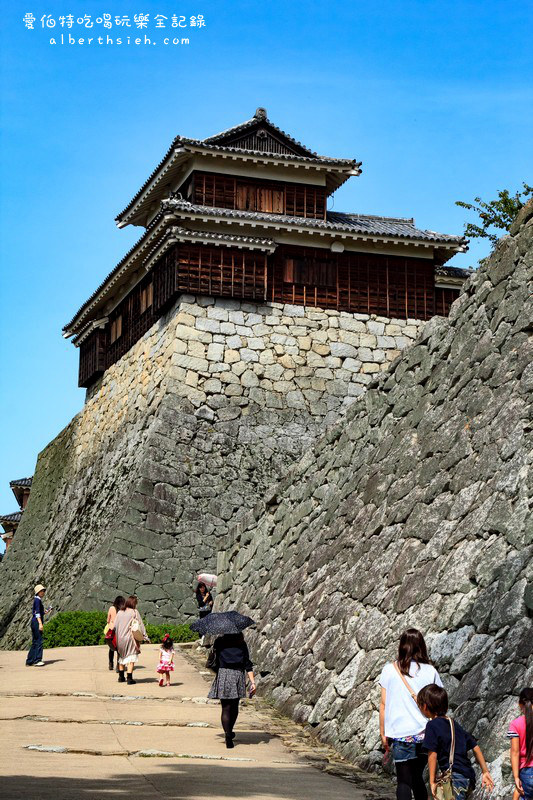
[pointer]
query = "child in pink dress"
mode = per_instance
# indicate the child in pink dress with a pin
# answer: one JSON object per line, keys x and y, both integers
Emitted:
{"x": 166, "y": 660}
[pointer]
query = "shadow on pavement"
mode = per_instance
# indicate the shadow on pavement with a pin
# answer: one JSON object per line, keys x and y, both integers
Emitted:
{"x": 195, "y": 781}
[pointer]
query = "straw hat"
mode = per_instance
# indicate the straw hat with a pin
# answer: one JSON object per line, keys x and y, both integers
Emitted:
{"x": 39, "y": 588}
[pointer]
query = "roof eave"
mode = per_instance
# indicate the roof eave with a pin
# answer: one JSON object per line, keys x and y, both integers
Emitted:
{"x": 135, "y": 212}
{"x": 334, "y": 229}
{"x": 70, "y": 329}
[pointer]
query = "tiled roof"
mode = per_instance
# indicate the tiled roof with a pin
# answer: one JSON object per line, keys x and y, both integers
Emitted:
{"x": 22, "y": 482}
{"x": 393, "y": 227}
{"x": 146, "y": 234}
{"x": 192, "y": 144}
{"x": 334, "y": 162}
{"x": 16, "y": 517}
{"x": 453, "y": 272}
{"x": 215, "y": 143}
{"x": 178, "y": 234}
{"x": 373, "y": 226}
{"x": 214, "y": 236}
{"x": 260, "y": 116}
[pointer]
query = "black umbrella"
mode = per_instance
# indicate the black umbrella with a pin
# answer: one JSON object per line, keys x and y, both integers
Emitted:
{"x": 217, "y": 624}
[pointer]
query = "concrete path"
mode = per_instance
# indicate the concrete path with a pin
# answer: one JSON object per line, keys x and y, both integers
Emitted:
{"x": 70, "y": 730}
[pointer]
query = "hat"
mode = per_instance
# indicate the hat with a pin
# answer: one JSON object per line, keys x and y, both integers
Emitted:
{"x": 39, "y": 588}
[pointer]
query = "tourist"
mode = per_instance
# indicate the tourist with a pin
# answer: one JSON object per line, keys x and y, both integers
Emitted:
{"x": 521, "y": 736}
{"x": 127, "y": 623}
{"x": 109, "y": 631}
{"x": 433, "y": 702}
{"x": 232, "y": 662}
{"x": 35, "y": 654}
{"x": 166, "y": 660}
{"x": 401, "y": 723}
{"x": 204, "y": 600}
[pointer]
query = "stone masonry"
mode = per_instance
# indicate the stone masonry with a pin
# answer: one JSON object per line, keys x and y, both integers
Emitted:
{"x": 184, "y": 432}
{"x": 415, "y": 510}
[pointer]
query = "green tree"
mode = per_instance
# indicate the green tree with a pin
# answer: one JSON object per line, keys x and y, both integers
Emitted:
{"x": 498, "y": 213}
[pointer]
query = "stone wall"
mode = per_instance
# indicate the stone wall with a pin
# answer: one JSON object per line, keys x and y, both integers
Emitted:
{"x": 413, "y": 511}
{"x": 180, "y": 435}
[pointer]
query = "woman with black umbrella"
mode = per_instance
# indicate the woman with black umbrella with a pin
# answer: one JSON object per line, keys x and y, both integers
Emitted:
{"x": 232, "y": 662}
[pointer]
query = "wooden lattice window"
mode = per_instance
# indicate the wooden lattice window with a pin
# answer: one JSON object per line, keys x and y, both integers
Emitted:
{"x": 269, "y": 197}
{"x": 310, "y": 271}
{"x": 147, "y": 297}
{"x": 116, "y": 329}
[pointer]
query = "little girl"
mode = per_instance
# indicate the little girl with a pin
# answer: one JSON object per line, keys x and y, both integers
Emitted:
{"x": 521, "y": 736}
{"x": 166, "y": 660}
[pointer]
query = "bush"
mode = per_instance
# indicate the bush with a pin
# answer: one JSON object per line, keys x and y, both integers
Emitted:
{"x": 75, "y": 629}
{"x": 79, "y": 628}
{"x": 178, "y": 633}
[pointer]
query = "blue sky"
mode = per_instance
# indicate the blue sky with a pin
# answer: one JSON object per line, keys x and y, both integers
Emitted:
{"x": 433, "y": 97}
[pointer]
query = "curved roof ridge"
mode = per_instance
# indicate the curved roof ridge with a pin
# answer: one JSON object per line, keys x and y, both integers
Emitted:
{"x": 355, "y": 215}
{"x": 233, "y": 129}
{"x": 259, "y": 117}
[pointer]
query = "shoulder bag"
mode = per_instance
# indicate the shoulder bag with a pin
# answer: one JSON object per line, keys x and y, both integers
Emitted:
{"x": 407, "y": 686}
{"x": 444, "y": 790}
{"x": 135, "y": 629}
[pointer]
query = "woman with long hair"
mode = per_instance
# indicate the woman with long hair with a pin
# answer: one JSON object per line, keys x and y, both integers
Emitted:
{"x": 521, "y": 736}
{"x": 204, "y": 598}
{"x": 401, "y": 723}
{"x": 127, "y": 646}
{"x": 118, "y": 604}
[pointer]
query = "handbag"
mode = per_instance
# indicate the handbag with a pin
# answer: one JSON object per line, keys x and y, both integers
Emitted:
{"x": 136, "y": 631}
{"x": 212, "y": 659}
{"x": 444, "y": 790}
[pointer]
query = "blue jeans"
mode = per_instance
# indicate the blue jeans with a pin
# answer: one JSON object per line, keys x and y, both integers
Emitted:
{"x": 35, "y": 653}
{"x": 526, "y": 777}
{"x": 462, "y": 786}
{"x": 404, "y": 751}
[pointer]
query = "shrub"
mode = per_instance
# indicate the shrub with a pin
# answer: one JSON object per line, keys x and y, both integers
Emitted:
{"x": 75, "y": 629}
{"x": 79, "y": 628}
{"x": 178, "y": 633}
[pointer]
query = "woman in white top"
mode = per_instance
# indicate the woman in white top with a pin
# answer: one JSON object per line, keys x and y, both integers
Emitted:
{"x": 401, "y": 723}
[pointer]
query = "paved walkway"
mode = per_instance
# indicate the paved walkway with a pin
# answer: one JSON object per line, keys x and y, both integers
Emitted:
{"x": 70, "y": 730}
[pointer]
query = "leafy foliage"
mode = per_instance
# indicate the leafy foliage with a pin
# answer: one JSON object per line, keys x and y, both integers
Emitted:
{"x": 178, "y": 633}
{"x": 497, "y": 214}
{"x": 79, "y": 628}
{"x": 75, "y": 629}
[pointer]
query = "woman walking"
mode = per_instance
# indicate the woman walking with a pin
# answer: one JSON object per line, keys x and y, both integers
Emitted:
{"x": 127, "y": 622}
{"x": 232, "y": 663}
{"x": 401, "y": 723}
{"x": 111, "y": 639}
{"x": 35, "y": 654}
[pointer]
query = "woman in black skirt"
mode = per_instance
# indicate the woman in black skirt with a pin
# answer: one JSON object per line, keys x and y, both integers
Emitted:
{"x": 229, "y": 686}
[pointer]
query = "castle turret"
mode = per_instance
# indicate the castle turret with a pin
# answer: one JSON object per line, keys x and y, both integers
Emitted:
{"x": 244, "y": 214}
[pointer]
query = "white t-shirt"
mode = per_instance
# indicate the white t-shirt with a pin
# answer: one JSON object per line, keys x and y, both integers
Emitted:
{"x": 402, "y": 715}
